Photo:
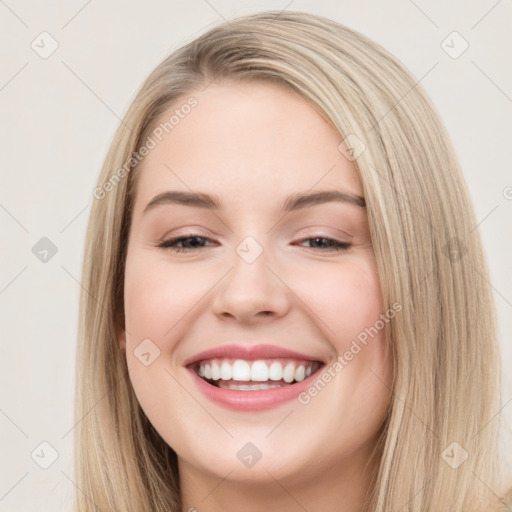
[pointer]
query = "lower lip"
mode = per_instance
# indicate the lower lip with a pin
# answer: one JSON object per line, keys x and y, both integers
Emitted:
{"x": 252, "y": 400}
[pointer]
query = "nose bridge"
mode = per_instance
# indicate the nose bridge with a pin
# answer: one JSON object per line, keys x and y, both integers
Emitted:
{"x": 251, "y": 288}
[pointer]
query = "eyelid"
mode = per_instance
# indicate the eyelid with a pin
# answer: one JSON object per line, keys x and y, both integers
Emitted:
{"x": 343, "y": 233}
{"x": 185, "y": 233}
{"x": 320, "y": 231}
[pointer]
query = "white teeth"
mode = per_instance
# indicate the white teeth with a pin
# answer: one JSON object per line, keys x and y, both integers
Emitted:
{"x": 259, "y": 371}
{"x": 275, "y": 371}
{"x": 215, "y": 371}
{"x": 241, "y": 370}
{"x": 300, "y": 373}
{"x": 253, "y": 387}
{"x": 222, "y": 370}
{"x": 225, "y": 371}
{"x": 289, "y": 372}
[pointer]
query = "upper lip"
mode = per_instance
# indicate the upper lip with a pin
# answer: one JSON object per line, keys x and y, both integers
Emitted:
{"x": 249, "y": 353}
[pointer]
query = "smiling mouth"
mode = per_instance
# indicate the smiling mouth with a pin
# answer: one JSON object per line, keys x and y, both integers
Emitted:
{"x": 245, "y": 375}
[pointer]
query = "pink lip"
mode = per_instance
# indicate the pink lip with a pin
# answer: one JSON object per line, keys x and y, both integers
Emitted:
{"x": 250, "y": 353}
{"x": 250, "y": 400}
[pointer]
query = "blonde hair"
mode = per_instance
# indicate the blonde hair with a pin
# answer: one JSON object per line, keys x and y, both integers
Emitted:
{"x": 429, "y": 257}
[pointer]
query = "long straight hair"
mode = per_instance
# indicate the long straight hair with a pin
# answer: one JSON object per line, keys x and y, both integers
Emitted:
{"x": 429, "y": 258}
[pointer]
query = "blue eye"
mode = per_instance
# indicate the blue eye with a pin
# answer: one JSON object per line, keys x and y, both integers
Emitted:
{"x": 328, "y": 244}
{"x": 193, "y": 242}
{"x": 188, "y": 246}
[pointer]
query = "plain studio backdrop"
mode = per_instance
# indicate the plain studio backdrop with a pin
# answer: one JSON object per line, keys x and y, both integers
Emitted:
{"x": 69, "y": 72}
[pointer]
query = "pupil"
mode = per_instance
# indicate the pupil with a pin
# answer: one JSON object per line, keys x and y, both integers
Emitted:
{"x": 194, "y": 241}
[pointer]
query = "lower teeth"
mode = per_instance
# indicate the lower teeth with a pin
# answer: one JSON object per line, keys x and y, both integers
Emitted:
{"x": 226, "y": 384}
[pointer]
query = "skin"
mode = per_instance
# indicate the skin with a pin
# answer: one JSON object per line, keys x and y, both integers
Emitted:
{"x": 252, "y": 144}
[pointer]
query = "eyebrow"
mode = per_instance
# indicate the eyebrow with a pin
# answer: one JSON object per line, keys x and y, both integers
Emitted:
{"x": 293, "y": 202}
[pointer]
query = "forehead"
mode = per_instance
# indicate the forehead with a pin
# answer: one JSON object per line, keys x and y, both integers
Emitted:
{"x": 256, "y": 139}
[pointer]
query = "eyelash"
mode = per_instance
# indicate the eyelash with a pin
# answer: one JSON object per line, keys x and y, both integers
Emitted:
{"x": 170, "y": 244}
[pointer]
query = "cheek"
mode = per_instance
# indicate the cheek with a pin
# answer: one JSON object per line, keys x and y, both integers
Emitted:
{"x": 350, "y": 399}
{"x": 345, "y": 297}
{"x": 347, "y": 300}
{"x": 157, "y": 297}
{"x": 159, "y": 304}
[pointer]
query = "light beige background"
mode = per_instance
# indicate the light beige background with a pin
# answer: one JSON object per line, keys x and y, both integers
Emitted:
{"x": 58, "y": 115}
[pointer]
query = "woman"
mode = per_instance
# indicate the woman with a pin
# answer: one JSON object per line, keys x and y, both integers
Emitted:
{"x": 285, "y": 305}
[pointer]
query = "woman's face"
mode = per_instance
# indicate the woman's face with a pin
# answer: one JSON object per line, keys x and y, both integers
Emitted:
{"x": 265, "y": 281}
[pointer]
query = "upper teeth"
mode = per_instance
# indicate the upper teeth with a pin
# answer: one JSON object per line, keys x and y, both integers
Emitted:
{"x": 260, "y": 370}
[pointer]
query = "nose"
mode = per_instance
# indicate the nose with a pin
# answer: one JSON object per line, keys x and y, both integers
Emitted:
{"x": 251, "y": 292}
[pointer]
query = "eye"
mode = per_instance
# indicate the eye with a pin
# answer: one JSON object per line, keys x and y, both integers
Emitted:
{"x": 327, "y": 244}
{"x": 193, "y": 242}
{"x": 189, "y": 243}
